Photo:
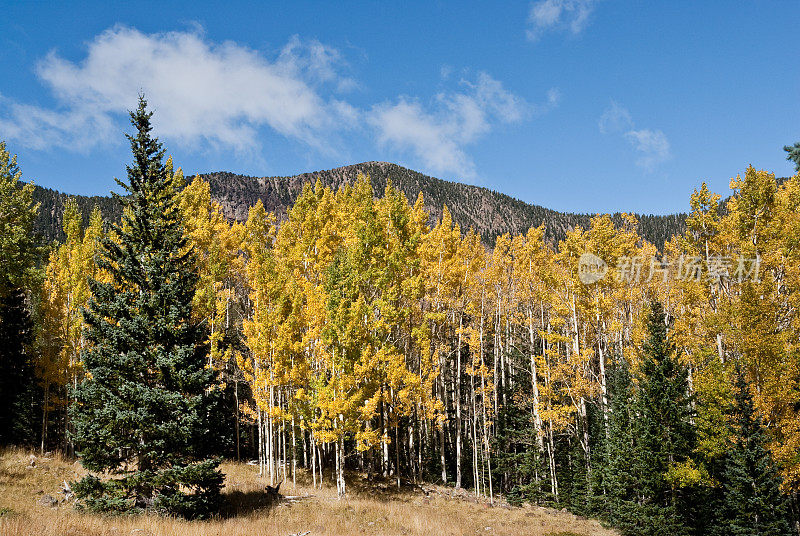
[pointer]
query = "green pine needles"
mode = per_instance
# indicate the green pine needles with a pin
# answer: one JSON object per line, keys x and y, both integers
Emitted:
{"x": 753, "y": 503}
{"x": 793, "y": 154}
{"x": 649, "y": 434}
{"x": 142, "y": 411}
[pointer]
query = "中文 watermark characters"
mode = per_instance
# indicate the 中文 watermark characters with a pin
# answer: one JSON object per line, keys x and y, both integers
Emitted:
{"x": 714, "y": 268}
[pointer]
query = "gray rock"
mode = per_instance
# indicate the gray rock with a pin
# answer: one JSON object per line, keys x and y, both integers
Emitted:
{"x": 48, "y": 500}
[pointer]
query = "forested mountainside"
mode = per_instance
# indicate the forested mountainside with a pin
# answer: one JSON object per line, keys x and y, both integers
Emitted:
{"x": 490, "y": 213}
{"x": 51, "y": 211}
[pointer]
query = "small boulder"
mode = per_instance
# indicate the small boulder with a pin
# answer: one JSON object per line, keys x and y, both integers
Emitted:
{"x": 48, "y": 500}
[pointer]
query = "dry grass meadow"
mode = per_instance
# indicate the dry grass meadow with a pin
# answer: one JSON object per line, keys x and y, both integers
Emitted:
{"x": 31, "y": 504}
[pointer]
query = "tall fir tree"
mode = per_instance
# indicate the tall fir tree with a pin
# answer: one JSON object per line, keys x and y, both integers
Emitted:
{"x": 19, "y": 255}
{"x": 614, "y": 468}
{"x": 19, "y": 249}
{"x": 794, "y": 154}
{"x": 753, "y": 503}
{"x": 665, "y": 427}
{"x": 141, "y": 411}
{"x": 663, "y": 439}
{"x": 20, "y": 396}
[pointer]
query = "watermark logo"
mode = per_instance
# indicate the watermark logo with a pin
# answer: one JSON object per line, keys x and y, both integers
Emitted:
{"x": 591, "y": 268}
{"x": 714, "y": 268}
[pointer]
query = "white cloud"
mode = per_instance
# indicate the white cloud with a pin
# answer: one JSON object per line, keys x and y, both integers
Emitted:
{"x": 322, "y": 63}
{"x": 38, "y": 128}
{"x": 438, "y": 135}
{"x": 223, "y": 95}
{"x": 615, "y": 119}
{"x": 406, "y": 125}
{"x": 219, "y": 93}
{"x": 545, "y": 15}
{"x": 553, "y": 97}
{"x": 652, "y": 145}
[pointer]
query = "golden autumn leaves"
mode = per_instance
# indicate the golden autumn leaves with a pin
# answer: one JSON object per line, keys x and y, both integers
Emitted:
{"x": 359, "y": 318}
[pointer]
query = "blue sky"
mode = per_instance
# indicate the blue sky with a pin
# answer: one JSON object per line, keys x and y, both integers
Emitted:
{"x": 579, "y": 105}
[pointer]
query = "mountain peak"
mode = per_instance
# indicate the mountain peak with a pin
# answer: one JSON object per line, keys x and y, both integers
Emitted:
{"x": 488, "y": 212}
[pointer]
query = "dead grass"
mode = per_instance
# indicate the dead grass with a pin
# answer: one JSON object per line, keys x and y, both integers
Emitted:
{"x": 370, "y": 509}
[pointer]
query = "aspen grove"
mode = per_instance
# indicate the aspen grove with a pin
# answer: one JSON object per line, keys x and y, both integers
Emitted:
{"x": 357, "y": 335}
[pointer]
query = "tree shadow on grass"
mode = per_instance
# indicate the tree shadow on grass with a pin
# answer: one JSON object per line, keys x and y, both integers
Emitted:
{"x": 381, "y": 488}
{"x": 238, "y": 503}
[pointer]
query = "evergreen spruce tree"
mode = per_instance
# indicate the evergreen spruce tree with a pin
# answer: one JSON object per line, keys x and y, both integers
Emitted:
{"x": 19, "y": 255}
{"x": 20, "y": 397}
{"x": 665, "y": 424}
{"x": 615, "y": 467}
{"x": 794, "y": 154}
{"x": 753, "y": 503}
{"x": 19, "y": 248}
{"x": 664, "y": 437}
{"x": 141, "y": 412}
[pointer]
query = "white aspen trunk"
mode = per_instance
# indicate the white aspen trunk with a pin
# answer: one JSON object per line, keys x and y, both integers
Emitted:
{"x": 339, "y": 473}
{"x": 426, "y": 433}
{"x": 340, "y": 483}
{"x": 313, "y": 458}
{"x": 422, "y": 435}
{"x": 498, "y": 348}
{"x": 260, "y": 447}
{"x": 384, "y": 442}
{"x": 294, "y": 457}
{"x": 575, "y": 340}
{"x": 603, "y": 386}
{"x": 442, "y": 453}
{"x": 537, "y": 418}
{"x": 585, "y": 441}
{"x": 283, "y": 445}
{"x": 551, "y": 453}
{"x": 44, "y": 416}
{"x": 411, "y": 450}
{"x": 397, "y": 453}
{"x": 474, "y": 421}
{"x": 552, "y": 461}
{"x": 319, "y": 457}
{"x": 236, "y": 399}
{"x": 271, "y": 440}
{"x": 690, "y": 392}
{"x": 442, "y": 431}
{"x": 486, "y": 453}
{"x": 459, "y": 423}
{"x": 489, "y": 466}
{"x": 483, "y": 382}
{"x": 505, "y": 359}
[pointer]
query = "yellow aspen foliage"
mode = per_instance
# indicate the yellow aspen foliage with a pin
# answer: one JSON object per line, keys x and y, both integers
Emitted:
{"x": 64, "y": 293}
{"x": 217, "y": 246}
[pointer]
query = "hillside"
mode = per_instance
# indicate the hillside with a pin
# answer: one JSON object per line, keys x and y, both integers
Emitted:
{"x": 490, "y": 213}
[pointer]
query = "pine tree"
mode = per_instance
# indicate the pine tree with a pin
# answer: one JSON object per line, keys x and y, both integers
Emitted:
{"x": 140, "y": 411}
{"x": 19, "y": 254}
{"x": 794, "y": 154}
{"x": 615, "y": 468}
{"x": 753, "y": 503}
{"x": 665, "y": 435}
{"x": 20, "y": 398}
{"x": 19, "y": 251}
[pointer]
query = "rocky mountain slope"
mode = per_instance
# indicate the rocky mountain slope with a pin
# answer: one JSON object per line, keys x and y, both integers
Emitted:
{"x": 490, "y": 213}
